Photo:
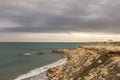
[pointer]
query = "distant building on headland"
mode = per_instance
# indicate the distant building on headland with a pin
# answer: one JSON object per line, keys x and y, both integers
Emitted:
{"x": 105, "y": 42}
{"x": 110, "y": 41}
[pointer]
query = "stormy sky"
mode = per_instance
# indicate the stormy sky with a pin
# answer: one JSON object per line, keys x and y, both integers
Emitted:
{"x": 59, "y": 20}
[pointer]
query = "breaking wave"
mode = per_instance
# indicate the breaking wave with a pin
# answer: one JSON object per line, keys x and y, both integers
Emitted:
{"x": 41, "y": 72}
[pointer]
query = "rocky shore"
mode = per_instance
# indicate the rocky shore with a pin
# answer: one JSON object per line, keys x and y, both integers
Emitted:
{"x": 97, "y": 62}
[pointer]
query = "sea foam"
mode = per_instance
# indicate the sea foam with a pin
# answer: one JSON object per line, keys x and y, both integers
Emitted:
{"x": 41, "y": 72}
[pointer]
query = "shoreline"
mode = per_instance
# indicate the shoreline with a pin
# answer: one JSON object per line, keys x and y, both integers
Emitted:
{"x": 41, "y": 71}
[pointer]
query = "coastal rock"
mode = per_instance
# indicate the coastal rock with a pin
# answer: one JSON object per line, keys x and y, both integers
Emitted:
{"x": 61, "y": 51}
{"x": 117, "y": 53}
{"x": 52, "y": 72}
{"x": 89, "y": 63}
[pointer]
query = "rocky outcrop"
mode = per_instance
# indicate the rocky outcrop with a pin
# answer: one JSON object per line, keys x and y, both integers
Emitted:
{"x": 61, "y": 51}
{"x": 54, "y": 71}
{"x": 89, "y": 63}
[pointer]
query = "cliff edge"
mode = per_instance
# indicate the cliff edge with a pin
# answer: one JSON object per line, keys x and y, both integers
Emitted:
{"x": 89, "y": 63}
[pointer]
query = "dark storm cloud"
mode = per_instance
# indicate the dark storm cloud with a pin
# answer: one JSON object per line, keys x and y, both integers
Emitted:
{"x": 44, "y": 16}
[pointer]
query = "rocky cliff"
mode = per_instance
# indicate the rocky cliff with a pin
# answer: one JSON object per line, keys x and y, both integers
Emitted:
{"x": 89, "y": 63}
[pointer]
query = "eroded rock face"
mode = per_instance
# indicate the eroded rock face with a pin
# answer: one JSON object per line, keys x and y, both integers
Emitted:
{"x": 89, "y": 63}
{"x": 54, "y": 71}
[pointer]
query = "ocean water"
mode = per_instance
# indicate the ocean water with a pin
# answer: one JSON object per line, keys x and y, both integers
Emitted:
{"x": 13, "y": 63}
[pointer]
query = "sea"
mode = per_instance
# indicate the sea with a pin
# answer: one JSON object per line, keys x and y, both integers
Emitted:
{"x": 14, "y": 63}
